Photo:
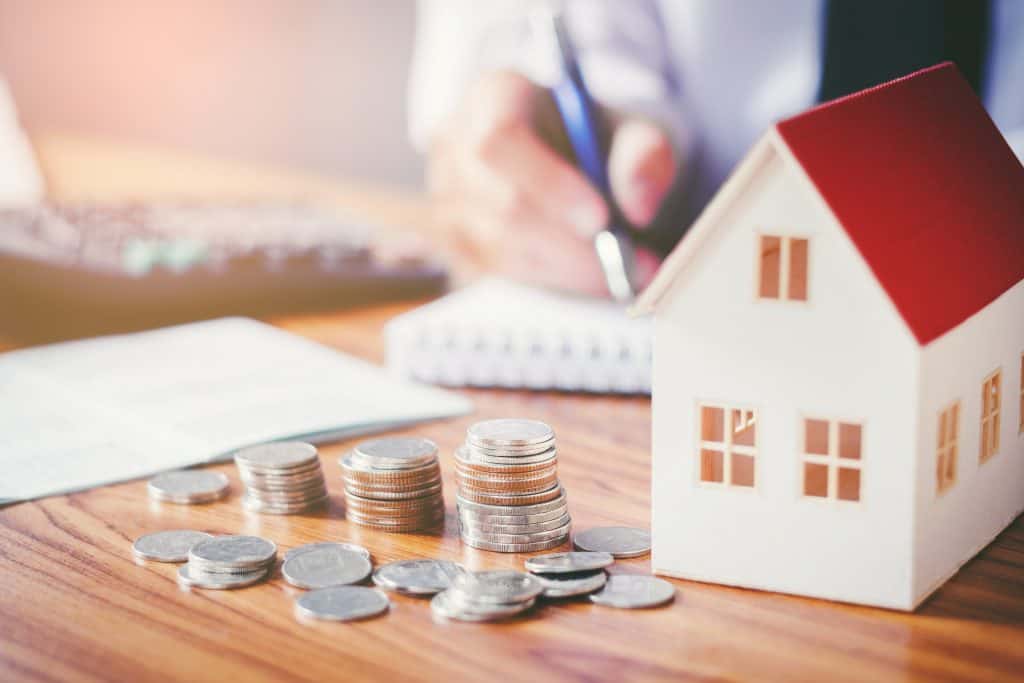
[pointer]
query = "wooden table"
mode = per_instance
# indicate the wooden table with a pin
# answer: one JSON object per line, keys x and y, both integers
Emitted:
{"x": 75, "y": 606}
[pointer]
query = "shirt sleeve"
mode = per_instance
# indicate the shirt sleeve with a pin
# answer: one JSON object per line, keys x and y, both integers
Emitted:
{"x": 622, "y": 48}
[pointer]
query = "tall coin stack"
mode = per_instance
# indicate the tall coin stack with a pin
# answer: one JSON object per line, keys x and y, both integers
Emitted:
{"x": 393, "y": 484}
{"x": 281, "y": 478}
{"x": 509, "y": 498}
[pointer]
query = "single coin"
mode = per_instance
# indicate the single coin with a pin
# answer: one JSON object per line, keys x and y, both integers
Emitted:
{"x": 280, "y": 455}
{"x": 167, "y": 546}
{"x": 618, "y": 541}
{"x": 396, "y": 452}
{"x": 325, "y": 567}
{"x": 233, "y": 551}
{"x": 193, "y": 578}
{"x": 570, "y": 585}
{"x": 298, "y": 550}
{"x": 417, "y": 577}
{"x": 498, "y": 586}
{"x": 564, "y": 563}
{"x": 188, "y": 486}
{"x": 509, "y": 432}
{"x": 341, "y": 603}
{"x": 634, "y": 591}
{"x": 449, "y": 605}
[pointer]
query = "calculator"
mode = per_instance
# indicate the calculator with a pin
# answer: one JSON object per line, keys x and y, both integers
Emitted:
{"x": 80, "y": 269}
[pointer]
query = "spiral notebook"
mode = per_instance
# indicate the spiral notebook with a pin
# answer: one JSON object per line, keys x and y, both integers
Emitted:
{"x": 501, "y": 334}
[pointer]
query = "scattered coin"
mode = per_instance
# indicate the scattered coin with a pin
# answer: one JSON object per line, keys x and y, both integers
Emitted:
{"x": 618, "y": 541}
{"x": 341, "y": 603}
{"x": 224, "y": 553}
{"x": 417, "y": 577}
{"x": 297, "y": 550}
{"x": 449, "y": 605}
{"x": 167, "y": 546}
{"x": 281, "y": 478}
{"x": 326, "y": 566}
{"x": 509, "y": 498}
{"x": 634, "y": 591}
{"x": 393, "y": 484}
{"x": 569, "y": 562}
{"x": 567, "y": 585}
{"x": 188, "y": 486}
{"x": 500, "y": 586}
{"x": 191, "y": 577}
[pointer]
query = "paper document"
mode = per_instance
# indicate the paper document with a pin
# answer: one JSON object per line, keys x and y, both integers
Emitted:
{"x": 85, "y": 413}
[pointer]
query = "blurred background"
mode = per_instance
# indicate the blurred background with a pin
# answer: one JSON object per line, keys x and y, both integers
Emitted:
{"x": 284, "y": 83}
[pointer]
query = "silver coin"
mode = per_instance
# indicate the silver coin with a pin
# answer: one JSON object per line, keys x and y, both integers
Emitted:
{"x": 167, "y": 546}
{"x": 530, "y": 509}
{"x": 281, "y": 455}
{"x": 191, "y": 577}
{"x": 256, "y": 505}
{"x": 233, "y": 551}
{"x": 618, "y": 541}
{"x": 570, "y": 585}
{"x": 633, "y": 591}
{"x": 499, "y": 586}
{"x": 417, "y": 577}
{"x": 564, "y": 563}
{"x": 534, "y": 537}
{"x": 188, "y": 486}
{"x": 498, "y": 547}
{"x": 509, "y": 432}
{"x": 325, "y": 567}
{"x": 298, "y": 550}
{"x": 477, "y": 517}
{"x": 479, "y": 528}
{"x": 396, "y": 452}
{"x": 449, "y": 605}
{"x": 341, "y": 603}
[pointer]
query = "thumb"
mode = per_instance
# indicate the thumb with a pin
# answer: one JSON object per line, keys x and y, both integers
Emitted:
{"x": 641, "y": 168}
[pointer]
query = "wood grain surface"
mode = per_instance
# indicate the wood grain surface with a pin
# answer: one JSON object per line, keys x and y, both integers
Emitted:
{"x": 74, "y": 605}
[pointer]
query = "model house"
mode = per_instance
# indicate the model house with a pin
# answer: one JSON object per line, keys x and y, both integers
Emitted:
{"x": 838, "y": 408}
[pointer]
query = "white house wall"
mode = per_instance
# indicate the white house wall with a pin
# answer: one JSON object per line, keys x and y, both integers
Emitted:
{"x": 844, "y": 354}
{"x": 985, "y": 497}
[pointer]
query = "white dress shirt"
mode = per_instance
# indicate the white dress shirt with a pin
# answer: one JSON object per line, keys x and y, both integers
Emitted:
{"x": 716, "y": 73}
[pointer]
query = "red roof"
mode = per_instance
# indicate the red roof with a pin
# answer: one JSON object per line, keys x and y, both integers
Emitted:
{"x": 926, "y": 187}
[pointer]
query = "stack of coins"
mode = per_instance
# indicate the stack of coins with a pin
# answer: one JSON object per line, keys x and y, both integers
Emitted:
{"x": 281, "y": 478}
{"x": 486, "y": 596}
{"x": 393, "y": 484}
{"x": 188, "y": 487}
{"x": 509, "y": 498}
{"x": 566, "y": 575}
{"x": 228, "y": 562}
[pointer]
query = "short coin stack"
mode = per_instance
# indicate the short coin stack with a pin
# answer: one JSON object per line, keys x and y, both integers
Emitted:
{"x": 509, "y": 497}
{"x": 228, "y": 562}
{"x": 393, "y": 484}
{"x": 188, "y": 487}
{"x": 281, "y": 478}
{"x": 486, "y": 596}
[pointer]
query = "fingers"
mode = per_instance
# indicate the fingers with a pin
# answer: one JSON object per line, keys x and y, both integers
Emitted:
{"x": 642, "y": 167}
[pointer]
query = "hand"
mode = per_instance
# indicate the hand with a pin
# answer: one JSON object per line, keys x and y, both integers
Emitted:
{"x": 514, "y": 205}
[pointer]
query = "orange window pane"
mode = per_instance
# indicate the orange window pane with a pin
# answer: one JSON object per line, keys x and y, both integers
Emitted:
{"x": 849, "y": 441}
{"x": 951, "y": 463}
{"x": 712, "y": 466}
{"x": 849, "y": 484}
{"x": 816, "y": 437}
{"x": 712, "y": 424}
{"x": 798, "y": 269}
{"x": 942, "y": 429}
{"x": 815, "y": 480}
{"x": 742, "y": 473}
{"x": 744, "y": 427}
{"x": 771, "y": 257}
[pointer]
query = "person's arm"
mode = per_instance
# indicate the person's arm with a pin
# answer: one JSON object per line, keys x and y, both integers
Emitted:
{"x": 479, "y": 111}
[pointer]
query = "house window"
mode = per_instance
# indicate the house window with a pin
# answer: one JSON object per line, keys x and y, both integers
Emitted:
{"x": 832, "y": 459}
{"x": 728, "y": 445}
{"x": 946, "y": 449}
{"x": 782, "y": 262}
{"x": 990, "y": 395}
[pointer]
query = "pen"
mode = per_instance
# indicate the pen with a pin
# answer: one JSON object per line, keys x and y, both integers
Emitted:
{"x": 613, "y": 244}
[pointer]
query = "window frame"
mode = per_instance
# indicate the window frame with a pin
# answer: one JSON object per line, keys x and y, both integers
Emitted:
{"x": 726, "y": 447}
{"x": 947, "y": 448}
{"x": 831, "y": 460}
{"x": 785, "y": 264}
{"x": 993, "y": 417}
